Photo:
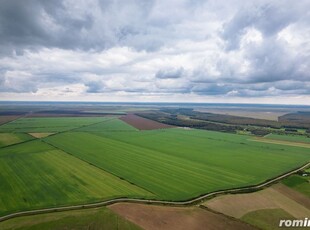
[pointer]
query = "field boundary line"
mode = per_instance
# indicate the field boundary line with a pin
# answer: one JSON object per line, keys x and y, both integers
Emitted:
{"x": 19, "y": 143}
{"x": 12, "y": 120}
{"x": 42, "y": 138}
{"x": 79, "y": 127}
{"x": 93, "y": 165}
{"x": 159, "y": 202}
{"x": 281, "y": 142}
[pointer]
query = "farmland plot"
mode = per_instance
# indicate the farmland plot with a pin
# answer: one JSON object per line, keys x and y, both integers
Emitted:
{"x": 226, "y": 151}
{"x": 13, "y": 138}
{"x": 178, "y": 164}
{"x": 112, "y": 124}
{"x": 35, "y": 175}
{"x": 295, "y": 138}
{"x": 37, "y": 125}
{"x": 142, "y": 123}
{"x": 167, "y": 176}
{"x": 100, "y": 158}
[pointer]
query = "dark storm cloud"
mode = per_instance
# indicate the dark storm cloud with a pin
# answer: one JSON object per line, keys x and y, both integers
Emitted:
{"x": 96, "y": 25}
{"x": 22, "y": 24}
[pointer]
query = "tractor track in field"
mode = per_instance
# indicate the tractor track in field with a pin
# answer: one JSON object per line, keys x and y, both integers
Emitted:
{"x": 146, "y": 201}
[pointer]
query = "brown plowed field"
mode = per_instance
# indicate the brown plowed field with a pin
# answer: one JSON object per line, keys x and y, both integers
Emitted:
{"x": 274, "y": 197}
{"x": 143, "y": 123}
{"x": 294, "y": 195}
{"x": 6, "y": 119}
{"x": 175, "y": 218}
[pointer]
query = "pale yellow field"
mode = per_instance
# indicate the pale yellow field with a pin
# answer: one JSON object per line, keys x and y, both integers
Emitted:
{"x": 280, "y": 142}
{"x": 258, "y": 114}
{"x": 40, "y": 135}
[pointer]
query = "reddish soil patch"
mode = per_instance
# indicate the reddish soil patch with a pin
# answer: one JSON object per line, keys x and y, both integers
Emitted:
{"x": 143, "y": 123}
{"x": 178, "y": 218}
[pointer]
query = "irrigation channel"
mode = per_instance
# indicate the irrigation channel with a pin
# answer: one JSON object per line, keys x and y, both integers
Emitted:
{"x": 144, "y": 201}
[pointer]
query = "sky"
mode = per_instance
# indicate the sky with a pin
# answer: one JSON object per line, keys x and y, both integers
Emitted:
{"x": 235, "y": 51}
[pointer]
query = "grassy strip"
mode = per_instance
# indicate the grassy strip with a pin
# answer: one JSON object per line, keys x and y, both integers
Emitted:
{"x": 293, "y": 138}
{"x": 100, "y": 218}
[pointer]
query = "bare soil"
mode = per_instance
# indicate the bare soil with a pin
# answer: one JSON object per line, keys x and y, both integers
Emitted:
{"x": 294, "y": 195}
{"x": 176, "y": 218}
{"x": 6, "y": 119}
{"x": 143, "y": 123}
{"x": 271, "y": 198}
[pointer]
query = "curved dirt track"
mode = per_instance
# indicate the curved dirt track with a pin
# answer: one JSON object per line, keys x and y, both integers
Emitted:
{"x": 174, "y": 203}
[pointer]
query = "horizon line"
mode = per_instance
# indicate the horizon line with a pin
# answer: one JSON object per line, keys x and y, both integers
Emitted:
{"x": 155, "y": 102}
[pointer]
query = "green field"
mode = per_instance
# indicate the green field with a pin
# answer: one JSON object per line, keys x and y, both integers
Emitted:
{"x": 99, "y": 158}
{"x": 299, "y": 183}
{"x": 177, "y": 164}
{"x": 113, "y": 124}
{"x": 35, "y": 175}
{"x": 95, "y": 219}
{"x": 33, "y": 125}
{"x": 13, "y": 138}
{"x": 294, "y": 138}
{"x": 267, "y": 218}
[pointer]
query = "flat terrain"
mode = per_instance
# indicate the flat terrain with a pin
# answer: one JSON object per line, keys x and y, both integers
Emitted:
{"x": 153, "y": 217}
{"x": 295, "y": 138}
{"x": 275, "y": 197}
{"x": 151, "y": 160}
{"x": 36, "y": 175}
{"x": 91, "y": 159}
{"x": 143, "y": 123}
{"x": 95, "y": 219}
{"x": 268, "y": 114}
{"x": 265, "y": 208}
{"x": 268, "y": 219}
{"x": 13, "y": 138}
{"x": 298, "y": 183}
{"x": 40, "y": 135}
{"x": 48, "y": 124}
{"x": 111, "y": 124}
{"x": 280, "y": 142}
{"x": 6, "y": 119}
